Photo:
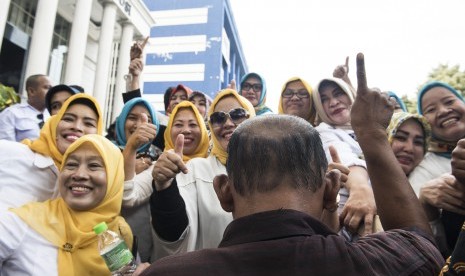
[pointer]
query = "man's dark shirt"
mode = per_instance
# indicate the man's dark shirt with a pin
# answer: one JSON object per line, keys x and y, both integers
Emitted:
{"x": 288, "y": 242}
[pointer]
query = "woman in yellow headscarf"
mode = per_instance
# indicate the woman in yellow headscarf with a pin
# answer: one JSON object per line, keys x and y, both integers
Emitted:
{"x": 36, "y": 162}
{"x": 55, "y": 237}
{"x": 186, "y": 119}
{"x": 296, "y": 99}
{"x": 186, "y": 213}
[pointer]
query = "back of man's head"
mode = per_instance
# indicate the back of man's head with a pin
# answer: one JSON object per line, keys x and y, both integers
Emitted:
{"x": 268, "y": 151}
{"x": 33, "y": 81}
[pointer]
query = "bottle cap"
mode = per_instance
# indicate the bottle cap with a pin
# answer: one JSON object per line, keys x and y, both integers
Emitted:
{"x": 100, "y": 228}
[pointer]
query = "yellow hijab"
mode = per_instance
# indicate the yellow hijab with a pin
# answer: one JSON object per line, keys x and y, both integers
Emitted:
{"x": 70, "y": 230}
{"x": 311, "y": 118}
{"x": 46, "y": 144}
{"x": 217, "y": 149}
{"x": 202, "y": 148}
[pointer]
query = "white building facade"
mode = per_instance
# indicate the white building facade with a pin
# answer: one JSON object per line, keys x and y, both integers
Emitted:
{"x": 81, "y": 42}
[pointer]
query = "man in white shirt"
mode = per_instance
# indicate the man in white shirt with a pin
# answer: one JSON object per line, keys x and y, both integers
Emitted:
{"x": 23, "y": 121}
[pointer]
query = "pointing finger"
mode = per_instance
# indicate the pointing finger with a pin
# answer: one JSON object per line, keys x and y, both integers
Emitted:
{"x": 361, "y": 74}
{"x": 144, "y": 42}
{"x": 347, "y": 63}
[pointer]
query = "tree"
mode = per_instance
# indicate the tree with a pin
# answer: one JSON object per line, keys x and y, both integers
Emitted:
{"x": 410, "y": 104}
{"x": 8, "y": 97}
{"x": 450, "y": 75}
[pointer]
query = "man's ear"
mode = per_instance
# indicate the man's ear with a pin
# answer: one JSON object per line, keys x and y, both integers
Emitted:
{"x": 223, "y": 192}
{"x": 332, "y": 186}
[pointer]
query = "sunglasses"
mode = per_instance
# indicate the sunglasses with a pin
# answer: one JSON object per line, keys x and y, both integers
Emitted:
{"x": 237, "y": 116}
{"x": 256, "y": 87}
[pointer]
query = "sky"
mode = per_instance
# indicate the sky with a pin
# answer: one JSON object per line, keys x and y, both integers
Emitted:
{"x": 402, "y": 40}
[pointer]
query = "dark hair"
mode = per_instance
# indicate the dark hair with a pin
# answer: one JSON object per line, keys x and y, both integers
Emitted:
{"x": 111, "y": 132}
{"x": 167, "y": 96}
{"x": 85, "y": 102}
{"x": 33, "y": 81}
{"x": 267, "y": 151}
{"x": 78, "y": 88}
{"x": 324, "y": 84}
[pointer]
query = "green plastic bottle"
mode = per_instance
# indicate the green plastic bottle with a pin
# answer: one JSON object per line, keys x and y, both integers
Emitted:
{"x": 114, "y": 251}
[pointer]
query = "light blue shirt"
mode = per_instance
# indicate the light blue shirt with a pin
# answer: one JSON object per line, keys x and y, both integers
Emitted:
{"x": 20, "y": 121}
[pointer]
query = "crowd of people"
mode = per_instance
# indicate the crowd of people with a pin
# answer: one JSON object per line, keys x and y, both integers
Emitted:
{"x": 343, "y": 180}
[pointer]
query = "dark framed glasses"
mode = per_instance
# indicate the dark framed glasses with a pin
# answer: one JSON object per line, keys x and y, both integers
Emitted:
{"x": 237, "y": 116}
{"x": 256, "y": 87}
{"x": 301, "y": 94}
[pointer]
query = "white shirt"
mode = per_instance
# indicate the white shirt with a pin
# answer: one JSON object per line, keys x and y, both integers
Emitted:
{"x": 348, "y": 149}
{"x": 432, "y": 166}
{"x": 139, "y": 189}
{"x": 23, "y": 251}
{"x": 20, "y": 121}
{"x": 207, "y": 219}
{"x": 25, "y": 175}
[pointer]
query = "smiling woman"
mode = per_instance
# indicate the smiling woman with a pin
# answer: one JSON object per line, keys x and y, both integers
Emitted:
{"x": 186, "y": 214}
{"x": 438, "y": 190}
{"x": 186, "y": 119}
{"x": 56, "y": 237}
{"x": 35, "y": 163}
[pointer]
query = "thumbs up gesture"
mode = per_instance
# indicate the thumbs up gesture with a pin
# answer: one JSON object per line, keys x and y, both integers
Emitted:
{"x": 342, "y": 71}
{"x": 144, "y": 133}
{"x": 232, "y": 84}
{"x": 169, "y": 164}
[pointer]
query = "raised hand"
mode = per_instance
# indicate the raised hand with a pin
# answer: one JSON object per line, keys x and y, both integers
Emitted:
{"x": 145, "y": 133}
{"x": 372, "y": 110}
{"x": 444, "y": 192}
{"x": 458, "y": 161}
{"x": 169, "y": 164}
{"x": 138, "y": 48}
{"x": 232, "y": 84}
{"x": 136, "y": 66}
{"x": 360, "y": 208}
{"x": 342, "y": 71}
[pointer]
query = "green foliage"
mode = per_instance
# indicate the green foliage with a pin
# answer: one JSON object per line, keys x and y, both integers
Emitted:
{"x": 449, "y": 74}
{"x": 8, "y": 96}
{"x": 411, "y": 105}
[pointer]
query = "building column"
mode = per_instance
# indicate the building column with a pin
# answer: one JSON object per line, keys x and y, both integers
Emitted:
{"x": 41, "y": 40}
{"x": 78, "y": 42}
{"x": 4, "y": 8}
{"x": 102, "y": 71}
{"x": 122, "y": 69}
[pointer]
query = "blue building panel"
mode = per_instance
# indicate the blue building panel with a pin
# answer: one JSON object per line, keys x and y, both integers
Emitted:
{"x": 158, "y": 88}
{"x": 159, "y": 5}
{"x": 214, "y": 60}
{"x": 176, "y": 58}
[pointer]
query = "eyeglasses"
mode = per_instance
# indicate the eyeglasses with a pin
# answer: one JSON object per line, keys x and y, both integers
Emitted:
{"x": 237, "y": 116}
{"x": 40, "y": 117}
{"x": 256, "y": 87}
{"x": 301, "y": 94}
